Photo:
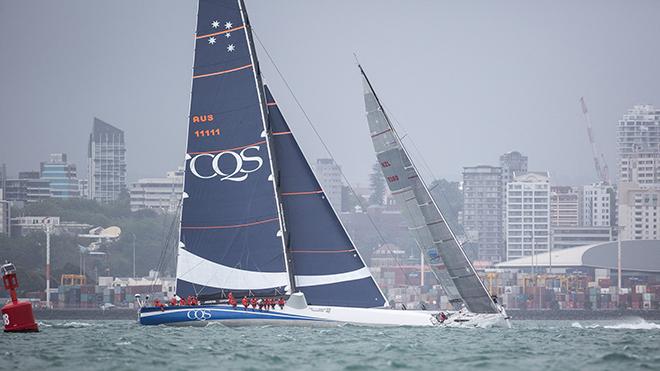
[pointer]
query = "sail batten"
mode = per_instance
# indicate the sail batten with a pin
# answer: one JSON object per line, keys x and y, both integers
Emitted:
{"x": 429, "y": 227}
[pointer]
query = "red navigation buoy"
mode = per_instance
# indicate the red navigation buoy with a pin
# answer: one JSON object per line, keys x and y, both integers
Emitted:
{"x": 16, "y": 316}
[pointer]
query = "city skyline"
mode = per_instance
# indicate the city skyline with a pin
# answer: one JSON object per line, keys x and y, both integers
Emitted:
{"x": 509, "y": 103}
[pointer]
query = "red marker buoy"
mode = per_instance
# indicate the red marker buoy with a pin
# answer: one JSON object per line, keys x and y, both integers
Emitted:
{"x": 16, "y": 316}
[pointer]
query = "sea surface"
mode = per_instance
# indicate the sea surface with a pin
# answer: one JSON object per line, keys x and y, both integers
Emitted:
{"x": 630, "y": 344}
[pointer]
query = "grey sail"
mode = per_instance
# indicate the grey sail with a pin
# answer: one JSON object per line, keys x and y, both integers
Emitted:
{"x": 427, "y": 224}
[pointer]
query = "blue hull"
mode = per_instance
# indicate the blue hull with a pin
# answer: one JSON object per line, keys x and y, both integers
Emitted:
{"x": 202, "y": 314}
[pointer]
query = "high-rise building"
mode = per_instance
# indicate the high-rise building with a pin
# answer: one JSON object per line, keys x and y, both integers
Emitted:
{"x": 482, "y": 210}
{"x": 641, "y": 167}
{"x": 564, "y": 207}
{"x": 83, "y": 188}
{"x": 329, "y": 176}
{"x": 107, "y": 162}
{"x": 61, "y": 176}
{"x": 528, "y": 211}
{"x": 512, "y": 163}
{"x": 3, "y": 175}
{"x": 5, "y": 215}
{"x": 598, "y": 205}
{"x": 639, "y": 207}
{"x": 638, "y": 137}
{"x": 161, "y": 194}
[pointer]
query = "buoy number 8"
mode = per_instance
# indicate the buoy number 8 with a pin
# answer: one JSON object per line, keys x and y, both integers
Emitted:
{"x": 5, "y": 318}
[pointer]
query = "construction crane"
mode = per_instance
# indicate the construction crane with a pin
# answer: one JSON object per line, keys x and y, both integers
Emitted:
{"x": 602, "y": 171}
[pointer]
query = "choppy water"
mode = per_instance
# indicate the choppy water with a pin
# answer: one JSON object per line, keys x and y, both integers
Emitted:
{"x": 554, "y": 345}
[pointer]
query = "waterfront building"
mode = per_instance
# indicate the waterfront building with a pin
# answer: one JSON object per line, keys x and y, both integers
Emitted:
{"x": 161, "y": 194}
{"x": 61, "y": 176}
{"x": 638, "y": 212}
{"x": 564, "y": 206}
{"x": 107, "y": 162}
{"x": 482, "y": 210}
{"x": 29, "y": 187}
{"x": 567, "y": 237}
{"x": 330, "y": 178}
{"x": 528, "y": 209}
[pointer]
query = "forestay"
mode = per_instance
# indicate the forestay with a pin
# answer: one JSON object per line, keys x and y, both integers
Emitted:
{"x": 425, "y": 221}
{"x": 231, "y": 237}
{"x": 326, "y": 265}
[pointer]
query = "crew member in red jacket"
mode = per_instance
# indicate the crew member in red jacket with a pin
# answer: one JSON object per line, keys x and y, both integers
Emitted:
{"x": 245, "y": 302}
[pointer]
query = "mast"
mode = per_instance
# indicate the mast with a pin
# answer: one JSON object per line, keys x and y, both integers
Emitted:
{"x": 268, "y": 137}
{"x": 468, "y": 265}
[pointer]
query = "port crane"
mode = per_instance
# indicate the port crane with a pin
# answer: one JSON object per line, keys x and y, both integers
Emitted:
{"x": 601, "y": 170}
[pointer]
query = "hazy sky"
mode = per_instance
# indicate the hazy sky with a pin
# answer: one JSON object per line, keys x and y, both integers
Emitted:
{"x": 468, "y": 80}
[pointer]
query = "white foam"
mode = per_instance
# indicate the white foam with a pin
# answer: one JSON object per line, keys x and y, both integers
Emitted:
{"x": 640, "y": 324}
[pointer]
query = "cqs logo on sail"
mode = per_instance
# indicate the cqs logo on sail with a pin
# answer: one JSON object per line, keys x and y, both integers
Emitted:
{"x": 228, "y": 165}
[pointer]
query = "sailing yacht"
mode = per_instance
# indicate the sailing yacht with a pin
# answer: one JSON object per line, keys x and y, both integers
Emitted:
{"x": 254, "y": 220}
{"x": 425, "y": 220}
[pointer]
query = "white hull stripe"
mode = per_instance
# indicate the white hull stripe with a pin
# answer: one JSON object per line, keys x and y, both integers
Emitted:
{"x": 304, "y": 281}
{"x": 200, "y": 271}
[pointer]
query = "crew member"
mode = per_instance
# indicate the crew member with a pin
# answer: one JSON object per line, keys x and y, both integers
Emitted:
{"x": 173, "y": 301}
{"x": 245, "y": 302}
{"x": 253, "y": 302}
{"x": 281, "y": 303}
{"x": 232, "y": 302}
{"x": 260, "y": 303}
{"x": 182, "y": 302}
{"x": 443, "y": 317}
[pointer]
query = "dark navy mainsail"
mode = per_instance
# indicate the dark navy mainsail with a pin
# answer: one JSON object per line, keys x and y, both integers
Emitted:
{"x": 326, "y": 265}
{"x": 231, "y": 232}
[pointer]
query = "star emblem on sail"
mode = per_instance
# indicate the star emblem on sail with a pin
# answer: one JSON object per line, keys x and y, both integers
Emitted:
{"x": 215, "y": 24}
{"x": 211, "y": 40}
{"x": 231, "y": 47}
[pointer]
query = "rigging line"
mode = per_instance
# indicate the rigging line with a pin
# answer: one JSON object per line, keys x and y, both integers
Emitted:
{"x": 318, "y": 135}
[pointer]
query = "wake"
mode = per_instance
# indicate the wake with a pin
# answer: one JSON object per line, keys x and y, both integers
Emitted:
{"x": 632, "y": 324}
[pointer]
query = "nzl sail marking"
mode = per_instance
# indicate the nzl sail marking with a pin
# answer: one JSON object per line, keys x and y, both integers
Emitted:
{"x": 228, "y": 149}
{"x": 220, "y": 32}
{"x": 223, "y": 72}
{"x": 232, "y": 226}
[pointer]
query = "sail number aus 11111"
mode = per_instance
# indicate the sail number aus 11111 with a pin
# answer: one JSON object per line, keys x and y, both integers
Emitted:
{"x": 207, "y": 132}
